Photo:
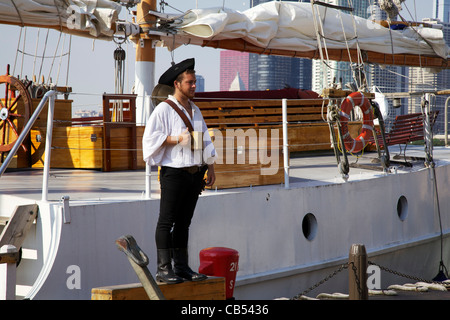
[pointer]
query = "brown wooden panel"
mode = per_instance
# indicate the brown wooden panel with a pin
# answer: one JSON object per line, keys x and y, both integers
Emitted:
{"x": 73, "y": 147}
{"x": 212, "y": 288}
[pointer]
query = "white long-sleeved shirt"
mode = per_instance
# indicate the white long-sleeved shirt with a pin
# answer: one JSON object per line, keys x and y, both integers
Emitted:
{"x": 164, "y": 122}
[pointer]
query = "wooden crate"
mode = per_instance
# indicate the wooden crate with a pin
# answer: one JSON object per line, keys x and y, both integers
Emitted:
{"x": 73, "y": 147}
{"x": 83, "y": 148}
{"x": 212, "y": 288}
{"x": 108, "y": 146}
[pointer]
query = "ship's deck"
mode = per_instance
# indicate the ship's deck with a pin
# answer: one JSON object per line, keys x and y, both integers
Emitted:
{"x": 92, "y": 185}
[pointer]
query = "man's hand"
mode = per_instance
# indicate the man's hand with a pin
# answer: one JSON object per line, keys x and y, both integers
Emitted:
{"x": 184, "y": 139}
{"x": 210, "y": 175}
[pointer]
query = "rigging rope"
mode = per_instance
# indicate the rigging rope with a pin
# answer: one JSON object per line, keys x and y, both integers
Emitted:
{"x": 43, "y": 54}
{"x": 68, "y": 60}
{"x": 53, "y": 60}
{"x": 23, "y": 48}
{"x": 60, "y": 59}
{"x": 17, "y": 51}
{"x": 319, "y": 37}
{"x": 49, "y": 81}
{"x": 357, "y": 69}
{"x": 422, "y": 73}
{"x": 35, "y": 52}
{"x": 360, "y": 76}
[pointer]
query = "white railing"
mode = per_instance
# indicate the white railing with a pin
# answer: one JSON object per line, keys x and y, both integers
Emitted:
{"x": 50, "y": 96}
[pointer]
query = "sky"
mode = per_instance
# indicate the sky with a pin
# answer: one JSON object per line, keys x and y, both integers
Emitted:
{"x": 91, "y": 68}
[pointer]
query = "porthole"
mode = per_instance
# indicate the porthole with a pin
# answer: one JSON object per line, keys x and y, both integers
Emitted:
{"x": 309, "y": 226}
{"x": 402, "y": 208}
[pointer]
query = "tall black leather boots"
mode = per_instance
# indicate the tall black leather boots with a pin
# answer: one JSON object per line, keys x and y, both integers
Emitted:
{"x": 164, "y": 272}
{"x": 181, "y": 267}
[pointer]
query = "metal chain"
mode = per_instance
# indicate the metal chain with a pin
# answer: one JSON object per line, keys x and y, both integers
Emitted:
{"x": 331, "y": 275}
{"x": 345, "y": 266}
{"x": 401, "y": 274}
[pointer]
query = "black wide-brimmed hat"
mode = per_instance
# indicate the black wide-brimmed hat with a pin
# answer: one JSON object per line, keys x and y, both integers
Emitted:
{"x": 174, "y": 71}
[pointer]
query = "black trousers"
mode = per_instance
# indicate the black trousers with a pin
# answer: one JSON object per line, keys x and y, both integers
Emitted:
{"x": 179, "y": 194}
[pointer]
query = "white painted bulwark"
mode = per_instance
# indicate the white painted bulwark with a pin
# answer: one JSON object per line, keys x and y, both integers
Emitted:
{"x": 278, "y": 256}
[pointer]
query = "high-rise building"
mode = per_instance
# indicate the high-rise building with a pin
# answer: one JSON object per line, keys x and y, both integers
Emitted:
{"x": 233, "y": 63}
{"x": 441, "y": 10}
{"x": 237, "y": 84}
{"x": 435, "y": 80}
{"x": 277, "y": 72}
{"x": 200, "y": 86}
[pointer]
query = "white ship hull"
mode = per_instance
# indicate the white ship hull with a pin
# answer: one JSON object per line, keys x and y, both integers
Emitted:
{"x": 69, "y": 252}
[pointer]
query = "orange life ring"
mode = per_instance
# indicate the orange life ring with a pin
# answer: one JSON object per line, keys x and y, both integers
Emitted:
{"x": 352, "y": 100}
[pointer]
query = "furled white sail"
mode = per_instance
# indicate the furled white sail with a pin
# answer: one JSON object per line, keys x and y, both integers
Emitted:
{"x": 93, "y": 18}
{"x": 290, "y": 26}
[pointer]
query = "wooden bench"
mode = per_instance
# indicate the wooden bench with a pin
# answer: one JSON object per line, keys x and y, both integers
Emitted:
{"x": 262, "y": 113}
{"x": 228, "y": 119}
{"x": 307, "y": 131}
{"x": 406, "y": 128}
{"x": 306, "y": 114}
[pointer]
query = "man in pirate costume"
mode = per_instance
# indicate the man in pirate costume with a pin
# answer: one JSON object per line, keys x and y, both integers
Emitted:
{"x": 167, "y": 143}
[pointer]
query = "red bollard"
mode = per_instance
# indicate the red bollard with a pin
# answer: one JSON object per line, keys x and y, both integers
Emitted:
{"x": 220, "y": 262}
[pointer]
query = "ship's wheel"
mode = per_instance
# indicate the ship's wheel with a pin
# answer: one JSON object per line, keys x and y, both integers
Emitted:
{"x": 15, "y": 109}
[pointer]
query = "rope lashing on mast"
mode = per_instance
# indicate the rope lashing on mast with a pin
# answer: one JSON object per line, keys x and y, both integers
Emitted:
{"x": 119, "y": 80}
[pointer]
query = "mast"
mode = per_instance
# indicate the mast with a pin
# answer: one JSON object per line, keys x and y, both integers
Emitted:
{"x": 145, "y": 61}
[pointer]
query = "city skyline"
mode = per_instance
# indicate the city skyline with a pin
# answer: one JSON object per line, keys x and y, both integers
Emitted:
{"x": 266, "y": 72}
{"x": 261, "y": 69}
